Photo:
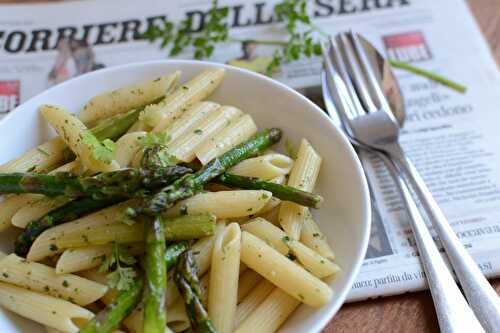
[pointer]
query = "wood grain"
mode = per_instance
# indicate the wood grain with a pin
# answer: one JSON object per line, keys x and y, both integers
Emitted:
{"x": 409, "y": 313}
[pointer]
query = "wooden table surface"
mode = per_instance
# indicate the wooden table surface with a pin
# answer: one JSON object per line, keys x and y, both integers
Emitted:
{"x": 412, "y": 312}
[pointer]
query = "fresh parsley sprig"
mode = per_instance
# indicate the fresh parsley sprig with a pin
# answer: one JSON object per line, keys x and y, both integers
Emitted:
{"x": 119, "y": 265}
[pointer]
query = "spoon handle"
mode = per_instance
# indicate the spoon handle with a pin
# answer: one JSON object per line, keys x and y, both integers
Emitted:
{"x": 482, "y": 298}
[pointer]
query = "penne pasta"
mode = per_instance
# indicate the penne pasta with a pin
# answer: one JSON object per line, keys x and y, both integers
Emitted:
{"x": 96, "y": 276}
{"x": 252, "y": 301}
{"x": 36, "y": 210}
{"x": 83, "y": 258}
{"x": 303, "y": 176}
{"x": 177, "y": 318}
{"x": 43, "y": 279}
{"x": 160, "y": 117}
{"x": 223, "y": 204}
{"x": 274, "y": 236}
{"x": 185, "y": 146}
{"x": 238, "y": 131}
{"x": 247, "y": 281}
{"x": 43, "y": 158}
{"x": 282, "y": 272}
{"x": 43, "y": 309}
{"x": 74, "y": 133}
{"x": 266, "y": 167}
{"x": 313, "y": 238}
{"x": 187, "y": 122}
{"x": 126, "y": 148}
{"x": 270, "y": 314}
{"x": 99, "y": 226}
{"x": 128, "y": 98}
{"x": 11, "y": 204}
{"x": 224, "y": 272}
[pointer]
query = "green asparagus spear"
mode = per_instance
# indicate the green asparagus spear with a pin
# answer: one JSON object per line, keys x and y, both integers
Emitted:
{"x": 173, "y": 252}
{"x": 186, "y": 278}
{"x": 189, "y": 226}
{"x": 282, "y": 192}
{"x": 124, "y": 182}
{"x": 110, "y": 318}
{"x": 155, "y": 317}
{"x": 68, "y": 212}
{"x": 190, "y": 184}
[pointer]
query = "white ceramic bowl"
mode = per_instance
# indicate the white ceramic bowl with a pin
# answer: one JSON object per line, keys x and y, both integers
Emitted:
{"x": 344, "y": 216}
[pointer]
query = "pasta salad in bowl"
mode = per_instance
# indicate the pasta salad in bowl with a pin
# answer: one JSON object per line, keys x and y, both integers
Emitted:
{"x": 172, "y": 196}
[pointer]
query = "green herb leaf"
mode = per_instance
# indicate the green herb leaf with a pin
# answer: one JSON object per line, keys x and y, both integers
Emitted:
{"x": 121, "y": 277}
{"x": 152, "y": 138}
{"x": 102, "y": 151}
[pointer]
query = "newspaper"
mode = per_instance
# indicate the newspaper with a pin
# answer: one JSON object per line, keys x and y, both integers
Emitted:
{"x": 451, "y": 137}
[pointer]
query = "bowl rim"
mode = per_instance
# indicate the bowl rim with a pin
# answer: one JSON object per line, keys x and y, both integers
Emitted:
{"x": 366, "y": 205}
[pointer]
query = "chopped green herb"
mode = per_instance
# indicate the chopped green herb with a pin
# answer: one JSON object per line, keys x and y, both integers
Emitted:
{"x": 102, "y": 151}
{"x": 65, "y": 284}
{"x": 53, "y": 247}
{"x": 198, "y": 131}
{"x": 122, "y": 276}
{"x": 152, "y": 138}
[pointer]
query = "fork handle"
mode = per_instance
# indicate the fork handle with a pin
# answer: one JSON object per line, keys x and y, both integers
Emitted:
{"x": 481, "y": 296}
{"x": 453, "y": 312}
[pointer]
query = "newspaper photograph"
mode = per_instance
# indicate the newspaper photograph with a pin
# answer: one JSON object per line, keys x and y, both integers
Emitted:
{"x": 451, "y": 137}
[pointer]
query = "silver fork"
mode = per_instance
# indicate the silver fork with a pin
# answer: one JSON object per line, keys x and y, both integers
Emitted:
{"x": 366, "y": 118}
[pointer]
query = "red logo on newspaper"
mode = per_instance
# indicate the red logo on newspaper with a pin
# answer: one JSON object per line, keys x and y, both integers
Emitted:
{"x": 9, "y": 95}
{"x": 407, "y": 47}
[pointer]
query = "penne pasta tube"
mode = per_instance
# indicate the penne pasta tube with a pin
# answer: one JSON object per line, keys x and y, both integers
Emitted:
{"x": 266, "y": 167}
{"x": 252, "y": 301}
{"x": 36, "y": 210}
{"x": 184, "y": 147}
{"x": 224, "y": 272}
{"x": 43, "y": 279}
{"x": 43, "y": 309}
{"x": 127, "y": 98}
{"x": 274, "y": 236}
{"x": 272, "y": 215}
{"x": 126, "y": 148}
{"x": 100, "y": 226}
{"x": 282, "y": 272}
{"x": 99, "y": 277}
{"x": 303, "y": 176}
{"x": 270, "y": 314}
{"x": 195, "y": 90}
{"x": 76, "y": 135}
{"x": 247, "y": 281}
{"x": 11, "y": 204}
{"x": 43, "y": 158}
{"x": 313, "y": 238}
{"x": 223, "y": 204}
{"x": 177, "y": 318}
{"x": 83, "y": 258}
{"x": 98, "y": 229}
{"x": 240, "y": 130}
{"x": 192, "y": 116}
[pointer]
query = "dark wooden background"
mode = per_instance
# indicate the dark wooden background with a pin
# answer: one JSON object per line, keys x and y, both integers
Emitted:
{"x": 409, "y": 313}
